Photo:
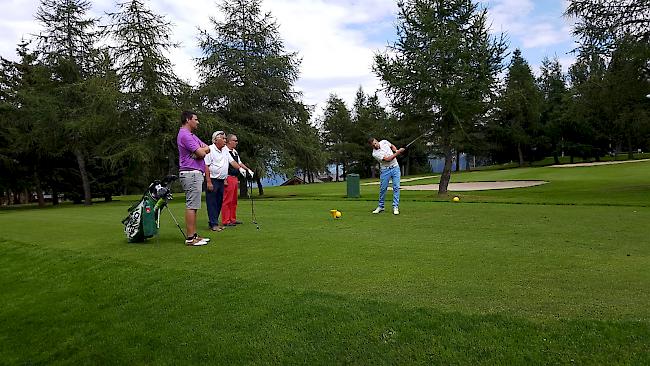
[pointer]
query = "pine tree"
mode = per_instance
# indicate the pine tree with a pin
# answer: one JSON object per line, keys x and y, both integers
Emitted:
{"x": 625, "y": 85}
{"x": 305, "y": 154}
{"x": 587, "y": 127}
{"x": 85, "y": 85}
{"x": 442, "y": 69}
{"x": 603, "y": 22}
{"x": 552, "y": 85}
{"x": 337, "y": 124}
{"x": 247, "y": 79}
{"x": 520, "y": 106}
{"x": 30, "y": 146}
{"x": 142, "y": 39}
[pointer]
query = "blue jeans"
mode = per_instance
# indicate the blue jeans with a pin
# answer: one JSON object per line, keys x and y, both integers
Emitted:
{"x": 213, "y": 200}
{"x": 386, "y": 175}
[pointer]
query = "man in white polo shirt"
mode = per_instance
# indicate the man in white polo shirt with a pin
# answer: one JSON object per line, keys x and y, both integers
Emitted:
{"x": 216, "y": 171}
{"x": 386, "y": 154}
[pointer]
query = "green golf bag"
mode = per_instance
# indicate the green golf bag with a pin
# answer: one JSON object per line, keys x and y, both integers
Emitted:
{"x": 143, "y": 220}
{"x": 141, "y": 223}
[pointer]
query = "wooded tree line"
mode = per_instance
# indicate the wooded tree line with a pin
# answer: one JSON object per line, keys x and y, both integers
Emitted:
{"x": 443, "y": 77}
{"x": 91, "y": 108}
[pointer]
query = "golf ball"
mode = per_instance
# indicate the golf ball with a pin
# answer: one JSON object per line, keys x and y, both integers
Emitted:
{"x": 456, "y": 199}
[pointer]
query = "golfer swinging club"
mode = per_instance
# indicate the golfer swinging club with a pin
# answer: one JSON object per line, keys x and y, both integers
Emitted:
{"x": 386, "y": 153}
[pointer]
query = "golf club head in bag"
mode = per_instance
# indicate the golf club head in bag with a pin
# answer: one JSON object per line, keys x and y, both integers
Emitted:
{"x": 160, "y": 189}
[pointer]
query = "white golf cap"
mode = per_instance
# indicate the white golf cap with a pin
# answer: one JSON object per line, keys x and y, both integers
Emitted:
{"x": 217, "y": 133}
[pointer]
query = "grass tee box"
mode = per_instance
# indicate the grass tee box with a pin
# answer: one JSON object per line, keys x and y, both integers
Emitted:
{"x": 497, "y": 278}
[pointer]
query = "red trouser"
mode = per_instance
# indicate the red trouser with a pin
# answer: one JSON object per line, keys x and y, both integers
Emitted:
{"x": 229, "y": 207}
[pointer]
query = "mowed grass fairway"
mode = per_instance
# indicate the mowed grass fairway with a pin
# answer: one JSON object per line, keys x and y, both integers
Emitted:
{"x": 554, "y": 274}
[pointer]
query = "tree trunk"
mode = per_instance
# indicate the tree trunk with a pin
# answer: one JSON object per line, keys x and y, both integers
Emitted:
{"x": 630, "y": 153}
{"x": 172, "y": 167}
{"x": 521, "y": 155}
{"x": 39, "y": 191}
{"x": 467, "y": 168}
{"x": 84, "y": 176}
{"x": 55, "y": 197}
{"x": 337, "y": 171}
{"x": 445, "y": 177}
{"x": 260, "y": 188}
{"x": 407, "y": 169}
{"x": 457, "y": 161}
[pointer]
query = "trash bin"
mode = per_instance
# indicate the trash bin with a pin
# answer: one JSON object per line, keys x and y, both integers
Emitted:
{"x": 353, "y": 186}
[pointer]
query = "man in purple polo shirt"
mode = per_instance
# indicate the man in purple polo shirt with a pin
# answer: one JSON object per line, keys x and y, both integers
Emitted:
{"x": 191, "y": 151}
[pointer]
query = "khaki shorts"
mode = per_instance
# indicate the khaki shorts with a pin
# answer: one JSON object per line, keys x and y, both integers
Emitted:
{"x": 192, "y": 182}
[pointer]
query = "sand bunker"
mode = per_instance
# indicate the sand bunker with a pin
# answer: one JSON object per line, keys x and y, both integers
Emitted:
{"x": 402, "y": 180}
{"x": 476, "y": 186}
{"x": 598, "y": 163}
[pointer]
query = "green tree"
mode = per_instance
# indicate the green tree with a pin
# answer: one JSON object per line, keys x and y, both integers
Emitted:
{"x": 442, "y": 69}
{"x": 84, "y": 84}
{"x": 149, "y": 116}
{"x": 520, "y": 106}
{"x": 552, "y": 85}
{"x": 32, "y": 148}
{"x": 337, "y": 126}
{"x": 247, "y": 79}
{"x": 626, "y": 84}
{"x": 588, "y": 130}
{"x": 305, "y": 154}
{"x": 369, "y": 119}
{"x": 603, "y": 22}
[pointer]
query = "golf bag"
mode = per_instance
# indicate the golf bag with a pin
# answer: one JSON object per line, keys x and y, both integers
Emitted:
{"x": 143, "y": 220}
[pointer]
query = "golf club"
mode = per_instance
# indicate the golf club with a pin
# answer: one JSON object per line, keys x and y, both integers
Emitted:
{"x": 415, "y": 139}
{"x": 163, "y": 205}
{"x": 250, "y": 196}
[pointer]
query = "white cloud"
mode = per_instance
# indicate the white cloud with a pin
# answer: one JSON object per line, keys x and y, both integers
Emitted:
{"x": 566, "y": 61}
{"x": 333, "y": 40}
{"x": 504, "y": 13}
{"x": 527, "y": 25}
{"x": 16, "y": 23}
{"x": 336, "y": 39}
{"x": 544, "y": 34}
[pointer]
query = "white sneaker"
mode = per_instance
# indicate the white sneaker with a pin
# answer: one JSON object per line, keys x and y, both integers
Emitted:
{"x": 195, "y": 242}
{"x": 206, "y": 240}
{"x": 395, "y": 211}
{"x": 378, "y": 210}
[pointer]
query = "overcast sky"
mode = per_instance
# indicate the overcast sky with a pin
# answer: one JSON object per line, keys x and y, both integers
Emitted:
{"x": 335, "y": 39}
